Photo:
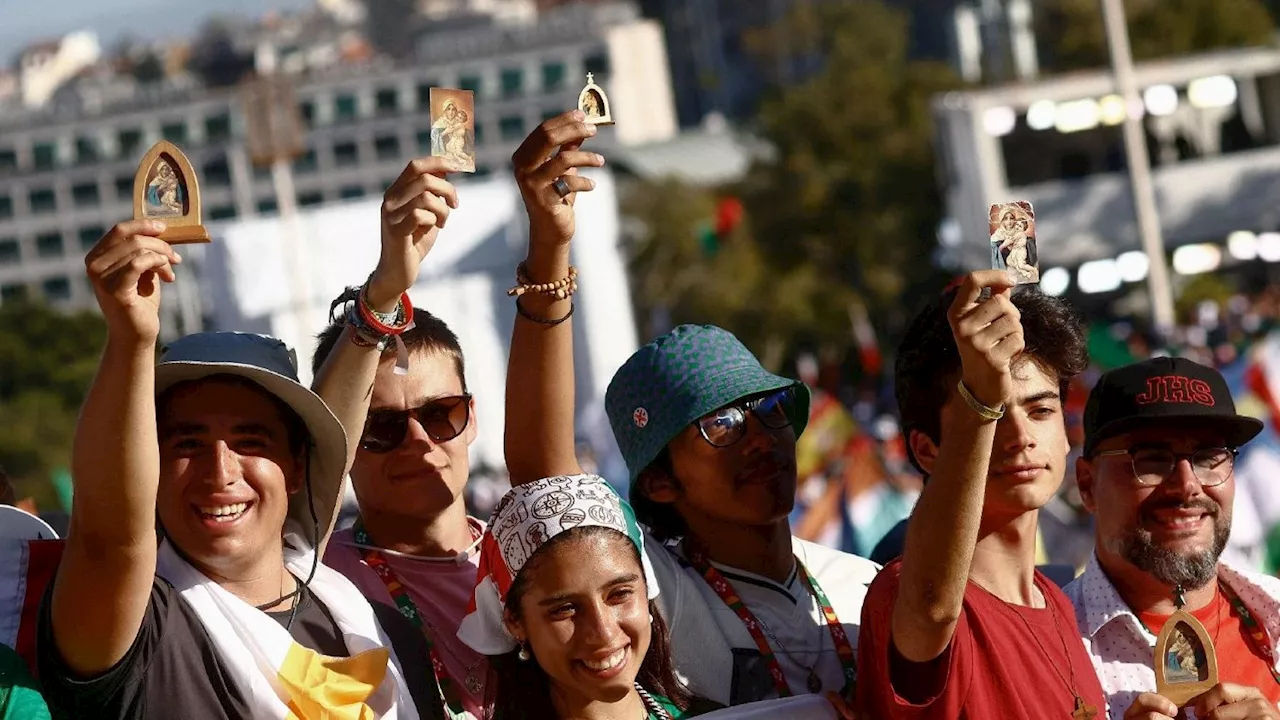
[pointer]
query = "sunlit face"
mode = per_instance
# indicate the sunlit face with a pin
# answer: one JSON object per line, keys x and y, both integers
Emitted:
{"x": 751, "y": 482}
{"x": 226, "y": 473}
{"x": 1029, "y": 455}
{"x": 420, "y": 478}
{"x": 587, "y": 624}
{"x": 1174, "y": 531}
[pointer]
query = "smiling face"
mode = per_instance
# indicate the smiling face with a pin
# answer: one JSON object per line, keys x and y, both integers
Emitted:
{"x": 587, "y": 624}
{"x": 1174, "y": 531}
{"x": 227, "y": 469}
{"x": 420, "y": 478}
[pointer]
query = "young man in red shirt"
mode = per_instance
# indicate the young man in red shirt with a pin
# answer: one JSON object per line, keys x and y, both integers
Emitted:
{"x": 963, "y": 626}
{"x": 1158, "y": 473}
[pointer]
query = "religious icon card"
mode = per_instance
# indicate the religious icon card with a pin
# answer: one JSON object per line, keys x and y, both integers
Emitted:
{"x": 165, "y": 188}
{"x": 1185, "y": 661}
{"x": 594, "y": 103}
{"x": 1012, "y": 229}
{"x": 453, "y": 128}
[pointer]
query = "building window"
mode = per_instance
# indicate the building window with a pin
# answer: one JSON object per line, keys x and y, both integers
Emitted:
{"x": 86, "y": 150}
{"x": 57, "y": 289}
{"x": 49, "y": 245}
{"x": 307, "y": 111}
{"x": 217, "y": 128}
{"x": 552, "y": 76}
{"x": 306, "y": 162}
{"x": 124, "y": 187}
{"x": 548, "y": 114}
{"x": 8, "y": 160}
{"x": 309, "y": 199}
{"x": 482, "y": 171}
{"x": 45, "y": 155}
{"x": 10, "y": 251}
{"x": 387, "y": 101}
{"x": 90, "y": 235}
{"x": 6, "y": 207}
{"x": 267, "y": 206}
{"x": 175, "y": 132}
{"x": 344, "y": 108}
{"x": 42, "y": 201}
{"x": 511, "y": 128}
{"x": 512, "y": 82}
{"x": 424, "y": 141}
{"x": 130, "y": 142}
{"x": 424, "y": 95}
{"x": 13, "y": 293}
{"x": 351, "y": 192}
{"x": 597, "y": 64}
{"x": 479, "y": 134}
{"x": 217, "y": 173}
{"x": 346, "y": 153}
{"x": 387, "y": 147}
{"x": 85, "y": 194}
{"x": 470, "y": 82}
{"x": 222, "y": 212}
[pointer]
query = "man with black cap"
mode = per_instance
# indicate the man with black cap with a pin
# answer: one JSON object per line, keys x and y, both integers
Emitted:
{"x": 240, "y": 468}
{"x": 1161, "y": 438}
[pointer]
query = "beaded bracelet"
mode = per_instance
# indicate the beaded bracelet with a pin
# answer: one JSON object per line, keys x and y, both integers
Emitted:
{"x": 563, "y": 288}
{"x": 371, "y": 328}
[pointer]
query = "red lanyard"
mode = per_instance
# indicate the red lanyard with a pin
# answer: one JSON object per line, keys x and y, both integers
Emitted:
{"x": 400, "y": 595}
{"x": 722, "y": 588}
{"x": 1255, "y": 632}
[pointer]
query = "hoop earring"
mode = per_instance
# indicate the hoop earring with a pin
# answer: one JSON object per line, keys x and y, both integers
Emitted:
{"x": 523, "y": 654}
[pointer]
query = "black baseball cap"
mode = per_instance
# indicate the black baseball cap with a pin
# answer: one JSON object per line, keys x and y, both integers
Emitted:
{"x": 1163, "y": 390}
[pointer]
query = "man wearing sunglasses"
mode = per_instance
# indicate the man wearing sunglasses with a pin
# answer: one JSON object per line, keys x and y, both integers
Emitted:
{"x": 413, "y": 546}
{"x": 709, "y": 437}
{"x": 1158, "y": 475}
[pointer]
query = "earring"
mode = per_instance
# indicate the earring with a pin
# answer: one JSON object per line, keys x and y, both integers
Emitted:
{"x": 650, "y": 618}
{"x": 523, "y": 654}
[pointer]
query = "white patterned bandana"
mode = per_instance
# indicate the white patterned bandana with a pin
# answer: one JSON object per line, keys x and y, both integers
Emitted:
{"x": 525, "y": 519}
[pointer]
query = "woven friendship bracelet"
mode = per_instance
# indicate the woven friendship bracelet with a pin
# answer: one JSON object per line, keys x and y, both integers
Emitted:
{"x": 977, "y": 405}
{"x": 563, "y": 288}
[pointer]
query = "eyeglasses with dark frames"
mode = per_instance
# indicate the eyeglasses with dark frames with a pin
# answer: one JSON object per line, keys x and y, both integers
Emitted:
{"x": 728, "y": 425}
{"x": 443, "y": 419}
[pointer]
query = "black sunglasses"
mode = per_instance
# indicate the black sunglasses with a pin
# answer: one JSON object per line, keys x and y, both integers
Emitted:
{"x": 728, "y": 425}
{"x": 443, "y": 419}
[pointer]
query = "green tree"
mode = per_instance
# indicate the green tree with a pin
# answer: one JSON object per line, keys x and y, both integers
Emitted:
{"x": 1074, "y": 38}
{"x": 47, "y": 360}
{"x": 844, "y": 214}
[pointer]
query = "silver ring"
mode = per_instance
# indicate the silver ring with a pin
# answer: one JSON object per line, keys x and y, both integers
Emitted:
{"x": 561, "y": 187}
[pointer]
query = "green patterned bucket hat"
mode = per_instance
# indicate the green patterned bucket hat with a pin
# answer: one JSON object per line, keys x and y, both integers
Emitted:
{"x": 678, "y": 378}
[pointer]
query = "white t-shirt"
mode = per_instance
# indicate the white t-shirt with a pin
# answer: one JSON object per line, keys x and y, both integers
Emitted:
{"x": 716, "y": 656}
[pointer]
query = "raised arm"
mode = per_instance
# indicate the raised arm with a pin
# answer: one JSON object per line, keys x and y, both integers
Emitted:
{"x": 104, "y": 581}
{"x": 540, "y": 384}
{"x": 414, "y": 210}
{"x": 943, "y": 530}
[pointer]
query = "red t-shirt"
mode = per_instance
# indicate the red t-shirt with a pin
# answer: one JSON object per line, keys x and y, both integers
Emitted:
{"x": 997, "y": 665}
{"x": 1239, "y": 661}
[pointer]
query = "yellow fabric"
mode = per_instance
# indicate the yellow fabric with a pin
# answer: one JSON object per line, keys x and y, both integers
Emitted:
{"x": 328, "y": 688}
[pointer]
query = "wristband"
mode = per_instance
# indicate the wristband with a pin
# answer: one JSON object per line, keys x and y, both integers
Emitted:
{"x": 977, "y": 406}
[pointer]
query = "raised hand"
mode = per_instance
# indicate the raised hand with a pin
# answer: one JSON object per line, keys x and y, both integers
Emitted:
{"x": 988, "y": 335}
{"x": 125, "y": 269}
{"x": 414, "y": 210}
{"x": 553, "y": 152}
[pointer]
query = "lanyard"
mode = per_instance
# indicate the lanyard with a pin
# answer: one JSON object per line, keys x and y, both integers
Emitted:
{"x": 1256, "y": 634}
{"x": 722, "y": 588}
{"x": 378, "y": 563}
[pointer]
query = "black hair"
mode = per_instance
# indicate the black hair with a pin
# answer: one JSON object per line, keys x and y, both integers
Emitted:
{"x": 298, "y": 435}
{"x": 928, "y": 363}
{"x": 429, "y": 334}
{"x": 520, "y": 689}
{"x": 662, "y": 519}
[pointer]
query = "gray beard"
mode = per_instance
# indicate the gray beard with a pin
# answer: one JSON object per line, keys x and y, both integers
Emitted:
{"x": 1190, "y": 570}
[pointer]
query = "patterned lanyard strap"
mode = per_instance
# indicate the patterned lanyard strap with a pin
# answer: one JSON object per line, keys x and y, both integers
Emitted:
{"x": 1253, "y": 630}
{"x": 722, "y": 588}
{"x": 378, "y": 563}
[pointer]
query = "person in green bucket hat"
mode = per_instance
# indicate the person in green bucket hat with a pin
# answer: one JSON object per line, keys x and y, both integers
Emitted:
{"x": 709, "y": 438}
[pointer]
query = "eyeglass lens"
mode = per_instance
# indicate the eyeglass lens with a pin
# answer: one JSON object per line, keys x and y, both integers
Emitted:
{"x": 442, "y": 420}
{"x": 727, "y": 425}
{"x": 1212, "y": 466}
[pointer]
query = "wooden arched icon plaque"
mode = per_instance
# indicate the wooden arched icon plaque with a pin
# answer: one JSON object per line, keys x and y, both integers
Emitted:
{"x": 166, "y": 189}
{"x": 1186, "y": 662}
{"x": 594, "y": 103}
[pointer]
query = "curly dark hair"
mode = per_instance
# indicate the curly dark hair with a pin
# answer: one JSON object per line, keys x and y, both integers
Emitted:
{"x": 521, "y": 690}
{"x": 928, "y": 363}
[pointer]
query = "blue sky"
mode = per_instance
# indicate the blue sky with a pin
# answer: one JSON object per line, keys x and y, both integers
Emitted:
{"x": 26, "y": 21}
